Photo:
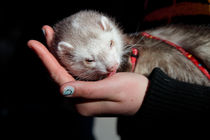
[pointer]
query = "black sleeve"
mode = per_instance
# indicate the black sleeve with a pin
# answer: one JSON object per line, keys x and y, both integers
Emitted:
{"x": 167, "y": 98}
{"x": 170, "y": 106}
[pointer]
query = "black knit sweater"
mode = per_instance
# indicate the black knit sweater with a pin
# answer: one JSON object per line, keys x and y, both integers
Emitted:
{"x": 169, "y": 106}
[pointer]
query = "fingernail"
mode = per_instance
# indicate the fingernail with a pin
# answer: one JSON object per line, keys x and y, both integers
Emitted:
{"x": 44, "y": 32}
{"x": 69, "y": 90}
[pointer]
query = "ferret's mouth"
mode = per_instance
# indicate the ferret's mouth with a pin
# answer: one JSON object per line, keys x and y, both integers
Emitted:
{"x": 112, "y": 70}
{"x": 111, "y": 73}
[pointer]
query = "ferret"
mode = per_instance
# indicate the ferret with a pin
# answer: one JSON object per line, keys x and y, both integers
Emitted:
{"x": 92, "y": 46}
{"x": 89, "y": 45}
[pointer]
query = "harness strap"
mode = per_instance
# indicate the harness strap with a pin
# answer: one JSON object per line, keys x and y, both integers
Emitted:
{"x": 184, "y": 52}
{"x": 134, "y": 57}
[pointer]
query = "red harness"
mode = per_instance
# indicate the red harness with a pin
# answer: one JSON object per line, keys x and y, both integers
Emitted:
{"x": 133, "y": 58}
{"x": 180, "y": 49}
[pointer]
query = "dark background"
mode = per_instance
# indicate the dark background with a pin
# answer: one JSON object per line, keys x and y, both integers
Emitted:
{"x": 28, "y": 96}
{"x": 29, "y": 99}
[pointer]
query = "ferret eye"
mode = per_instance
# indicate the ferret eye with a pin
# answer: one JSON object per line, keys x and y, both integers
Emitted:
{"x": 89, "y": 60}
{"x": 111, "y": 43}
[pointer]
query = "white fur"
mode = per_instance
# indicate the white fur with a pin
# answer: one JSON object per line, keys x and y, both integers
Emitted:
{"x": 63, "y": 45}
{"x": 104, "y": 23}
{"x": 75, "y": 23}
{"x": 97, "y": 49}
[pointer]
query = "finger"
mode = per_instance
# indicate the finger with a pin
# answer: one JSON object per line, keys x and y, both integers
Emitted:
{"x": 106, "y": 89}
{"x": 49, "y": 33}
{"x": 98, "y": 90}
{"x": 57, "y": 72}
{"x": 114, "y": 88}
{"x": 101, "y": 108}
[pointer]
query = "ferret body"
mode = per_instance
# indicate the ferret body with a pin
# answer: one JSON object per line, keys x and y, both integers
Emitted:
{"x": 91, "y": 46}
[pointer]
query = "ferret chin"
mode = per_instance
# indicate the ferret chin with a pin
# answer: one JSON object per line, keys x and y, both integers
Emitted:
{"x": 89, "y": 45}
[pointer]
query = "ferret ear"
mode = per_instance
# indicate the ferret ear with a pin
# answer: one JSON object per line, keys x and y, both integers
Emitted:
{"x": 105, "y": 24}
{"x": 64, "y": 46}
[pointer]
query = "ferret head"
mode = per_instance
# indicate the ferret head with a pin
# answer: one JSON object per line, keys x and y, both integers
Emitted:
{"x": 89, "y": 45}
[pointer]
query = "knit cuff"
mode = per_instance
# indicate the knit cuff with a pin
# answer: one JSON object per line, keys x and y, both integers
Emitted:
{"x": 167, "y": 98}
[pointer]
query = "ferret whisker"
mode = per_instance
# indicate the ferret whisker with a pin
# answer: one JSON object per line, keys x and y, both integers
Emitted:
{"x": 129, "y": 47}
{"x": 137, "y": 43}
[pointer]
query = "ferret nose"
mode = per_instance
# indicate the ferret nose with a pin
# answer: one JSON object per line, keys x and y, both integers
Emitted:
{"x": 112, "y": 68}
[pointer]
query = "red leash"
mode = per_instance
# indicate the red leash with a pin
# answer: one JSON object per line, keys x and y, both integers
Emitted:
{"x": 134, "y": 55}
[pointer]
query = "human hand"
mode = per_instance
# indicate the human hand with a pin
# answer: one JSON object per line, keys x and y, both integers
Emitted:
{"x": 120, "y": 94}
